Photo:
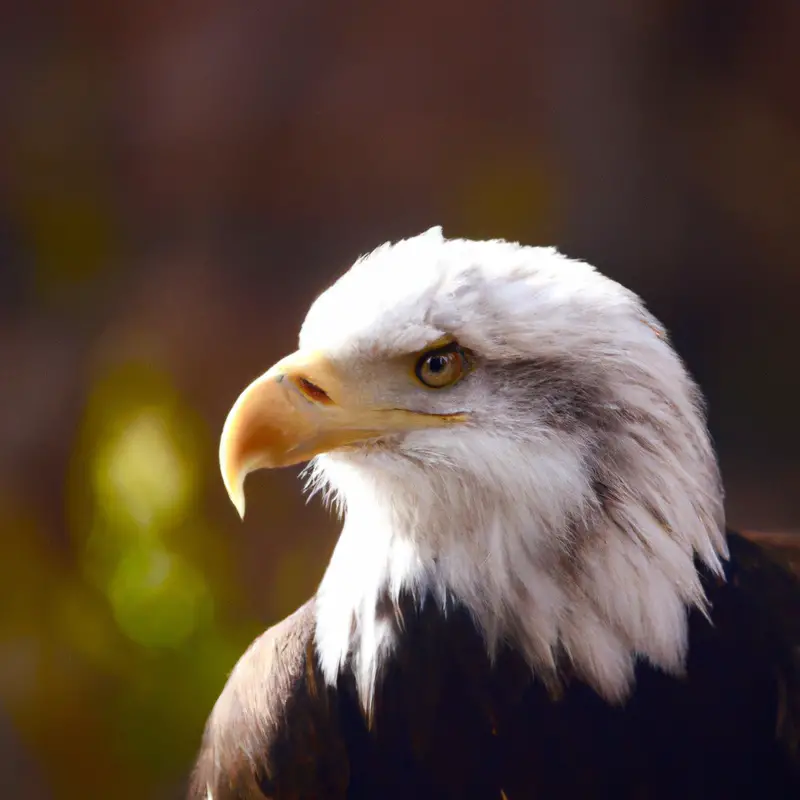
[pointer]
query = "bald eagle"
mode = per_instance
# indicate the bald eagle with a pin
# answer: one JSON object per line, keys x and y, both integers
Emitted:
{"x": 534, "y": 594}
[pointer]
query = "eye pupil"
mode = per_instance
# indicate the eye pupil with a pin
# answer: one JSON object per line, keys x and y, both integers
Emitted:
{"x": 437, "y": 364}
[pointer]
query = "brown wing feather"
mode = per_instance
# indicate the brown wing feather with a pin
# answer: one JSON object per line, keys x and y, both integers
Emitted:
{"x": 769, "y": 574}
{"x": 273, "y": 710}
{"x": 782, "y": 547}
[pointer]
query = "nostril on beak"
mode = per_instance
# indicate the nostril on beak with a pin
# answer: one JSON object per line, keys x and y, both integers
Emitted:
{"x": 312, "y": 392}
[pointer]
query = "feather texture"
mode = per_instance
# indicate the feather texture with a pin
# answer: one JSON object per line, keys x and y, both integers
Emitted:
{"x": 448, "y": 723}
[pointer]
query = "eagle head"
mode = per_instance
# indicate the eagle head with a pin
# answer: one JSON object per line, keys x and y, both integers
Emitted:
{"x": 503, "y": 427}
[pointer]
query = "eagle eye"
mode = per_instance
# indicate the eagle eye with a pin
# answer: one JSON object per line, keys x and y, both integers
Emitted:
{"x": 442, "y": 366}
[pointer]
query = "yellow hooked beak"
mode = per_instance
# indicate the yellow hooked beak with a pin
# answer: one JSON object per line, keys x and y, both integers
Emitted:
{"x": 298, "y": 409}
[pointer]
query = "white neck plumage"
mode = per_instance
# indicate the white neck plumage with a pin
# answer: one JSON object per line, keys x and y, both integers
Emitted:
{"x": 603, "y": 585}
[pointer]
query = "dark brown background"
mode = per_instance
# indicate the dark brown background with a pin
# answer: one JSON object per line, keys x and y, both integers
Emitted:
{"x": 178, "y": 180}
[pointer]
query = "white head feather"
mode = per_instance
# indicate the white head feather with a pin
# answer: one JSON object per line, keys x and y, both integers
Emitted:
{"x": 568, "y": 513}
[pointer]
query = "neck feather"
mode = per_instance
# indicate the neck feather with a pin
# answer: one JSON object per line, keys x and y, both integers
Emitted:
{"x": 609, "y": 585}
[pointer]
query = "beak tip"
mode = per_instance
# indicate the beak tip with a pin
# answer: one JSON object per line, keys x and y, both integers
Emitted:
{"x": 235, "y": 489}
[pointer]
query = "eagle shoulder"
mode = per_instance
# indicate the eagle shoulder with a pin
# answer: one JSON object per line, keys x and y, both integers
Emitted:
{"x": 768, "y": 573}
{"x": 273, "y": 731}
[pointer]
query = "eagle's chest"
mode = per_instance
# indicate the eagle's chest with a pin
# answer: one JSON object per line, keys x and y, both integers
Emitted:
{"x": 447, "y": 723}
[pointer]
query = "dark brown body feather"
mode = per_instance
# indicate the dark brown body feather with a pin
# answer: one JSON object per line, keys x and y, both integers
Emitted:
{"x": 448, "y": 724}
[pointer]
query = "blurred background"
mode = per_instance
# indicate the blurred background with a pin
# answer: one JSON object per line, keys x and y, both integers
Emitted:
{"x": 179, "y": 180}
